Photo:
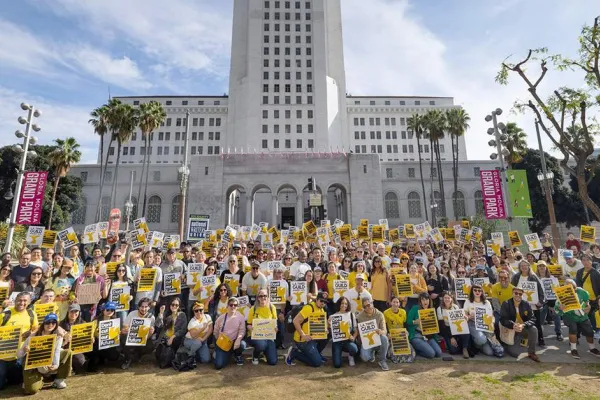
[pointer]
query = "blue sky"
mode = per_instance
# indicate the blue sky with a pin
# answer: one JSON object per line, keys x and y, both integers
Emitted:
{"x": 64, "y": 55}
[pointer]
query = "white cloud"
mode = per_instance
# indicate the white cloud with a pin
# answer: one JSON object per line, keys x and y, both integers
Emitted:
{"x": 57, "y": 121}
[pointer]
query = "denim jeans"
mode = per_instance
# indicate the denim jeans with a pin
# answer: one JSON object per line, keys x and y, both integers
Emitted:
{"x": 462, "y": 342}
{"x": 222, "y": 358}
{"x": 367, "y": 354}
{"x": 197, "y": 348}
{"x": 268, "y": 348}
{"x": 479, "y": 340}
{"x": 426, "y": 348}
{"x": 10, "y": 373}
{"x": 339, "y": 347}
{"x": 309, "y": 353}
{"x": 555, "y": 318}
{"x": 515, "y": 349}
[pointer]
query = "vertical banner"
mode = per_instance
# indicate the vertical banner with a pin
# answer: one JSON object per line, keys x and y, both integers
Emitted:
{"x": 520, "y": 203}
{"x": 493, "y": 199}
{"x": 29, "y": 209}
{"x": 298, "y": 292}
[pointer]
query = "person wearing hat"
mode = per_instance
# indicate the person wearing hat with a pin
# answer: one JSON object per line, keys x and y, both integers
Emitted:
{"x": 547, "y": 313}
{"x": 307, "y": 349}
{"x": 135, "y": 353}
{"x": 262, "y": 309}
{"x": 588, "y": 278}
{"x": 73, "y": 318}
{"x": 357, "y": 293}
{"x": 199, "y": 330}
{"x": 253, "y": 282}
{"x": 370, "y": 313}
{"x": 90, "y": 276}
{"x": 172, "y": 265}
{"x": 33, "y": 379}
{"x": 112, "y": 354}
{"x": 518, "y": 316}
{"x": 572, "y": 264}
{"x": 525, "y": 274}
{"x": 62, "y": 283}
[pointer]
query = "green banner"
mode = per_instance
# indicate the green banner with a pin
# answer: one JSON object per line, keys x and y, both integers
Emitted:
{"x": 518, "y": 189}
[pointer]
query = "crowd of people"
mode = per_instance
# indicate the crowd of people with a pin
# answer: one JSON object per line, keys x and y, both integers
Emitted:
{"x": 503, "y": 299}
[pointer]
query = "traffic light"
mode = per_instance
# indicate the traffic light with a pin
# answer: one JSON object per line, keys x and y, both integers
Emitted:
{"x": 324, "y": 212}
{"x": 312, "y": 184}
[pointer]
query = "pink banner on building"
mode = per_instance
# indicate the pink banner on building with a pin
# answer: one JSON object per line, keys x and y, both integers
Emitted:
{"x": 493, "y": 199}
{"x": 29, "y": 210}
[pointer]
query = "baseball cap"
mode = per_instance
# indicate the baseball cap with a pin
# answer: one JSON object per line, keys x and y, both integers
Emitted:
{"x": 171, "y": 250}
{"x": 318, "y": 269}
{"x": 360, "y": 276}
{"x": 107, "y": 246}
{"x": 51, "y": 317}
{"x": 520, "y": 289}
{"x": 395, "y": 261}
{"x": 74, "y": 307}
{"x": 198, "y": 306}
{"x": 322, "y": 296}
{"x": 480, "y": 268}
{"x": 237, "y": 245}
{"x": 110, "y": 306}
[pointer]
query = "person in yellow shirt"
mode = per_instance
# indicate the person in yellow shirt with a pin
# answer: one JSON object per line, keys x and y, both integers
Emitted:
{"x": 329, "y": 277}
{"x": 263, "y": 309}
{"x": 307, "y": 349}
{"x": 501, "y": 291}
{"x": 395, "y": 317}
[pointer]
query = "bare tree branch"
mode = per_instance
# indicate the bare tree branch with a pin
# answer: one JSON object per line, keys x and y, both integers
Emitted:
{"x": 563, "y": 110}
{"x": 544, "y": 70}
{"x": 586, "y": 132}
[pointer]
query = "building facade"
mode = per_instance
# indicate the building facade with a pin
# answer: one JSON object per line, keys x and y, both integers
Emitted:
{"x": 287, "y": 117}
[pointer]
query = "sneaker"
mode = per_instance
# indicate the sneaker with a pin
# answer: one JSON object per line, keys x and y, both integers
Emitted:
{"x": 59, "y": 384}
{"x": 254, "y": 361}
{"x": 351, "y": 361}
{"x": 383, "y": 365}
{"x": 289, "y": 360}
{"x": 559, "y": 337}
{"x": 575, "y": 354}
{"x": 595, "y": 352}
{"x": 126, "y": 364}
{"x": 239, "y": 360}
{"x": 542, "y": 343}
{"x": 372, "y": 358}
{"x": 534, "y": 357}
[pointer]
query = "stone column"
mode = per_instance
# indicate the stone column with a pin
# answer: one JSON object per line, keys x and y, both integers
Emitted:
{"x": 299, "y": 209}
{"x": 248, "y": 209}
{"x": 274, "y": 211}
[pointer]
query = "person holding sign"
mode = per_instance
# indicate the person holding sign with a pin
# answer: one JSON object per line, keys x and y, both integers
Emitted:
{"x": 149, "y": 288}
{"x": 229, "y": 332}
{"x": 99, "y": 356}
{"x": 172, "y": 328}
{"x": 62, "y": 283}
{"x": 588, "y": 278}
{"x": 343, "y": 330}
{"x": 373, "y": 315}
{"x": 395, "y": 318}
{"x": 486, "y": 342}
{"x": 517, "y": 315}
{"x": 419, "y": 285}
{"x": 6, "y": 284}
{"x": 454, "y": 327}
{"x": 73, "y": 318}
{"x": 135, "y": 353}
{"x": 307, "y": 349}
{"x": 357, "y": 293}
{"x": 549, "y": 282}
{"x": 330, "y": 277}
{"x": 262, "y": 310}
{"x": 253, "y": 282}
{"x": 425, "y": 346}
{"x": 33, "y": 284}
{"x": 577, "y": 320}
{"x": 525, "y": 274}
{"x": 59, "y": 360}
{"x": 199, "y": 330}
{"x": 233, "y": 275}
{"x": 90, "y": 277}
{"x": 121, "y": 283}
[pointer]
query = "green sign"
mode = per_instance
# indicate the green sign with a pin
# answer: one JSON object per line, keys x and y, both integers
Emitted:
{"x": 518, "y": 189}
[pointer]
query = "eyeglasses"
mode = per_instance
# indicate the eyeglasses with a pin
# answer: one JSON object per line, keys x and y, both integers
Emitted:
{"x": 517, "y": 294}
{"x": 222, "y": 290}
{"x": 477, "y": 291}
{"x": 262, "y": 296}
{"x": 116, "y": 255}
{"x": 175, "y": 305}
{"x": 50, "y": 323}
{"x": 233, "y": 305}
{"x": 254, "y": 268}
{"x": 232, "y": 261}
{"x": 368, "y": 305}
{"x": 36, "y": 273}
{"x": 196, "y": 311}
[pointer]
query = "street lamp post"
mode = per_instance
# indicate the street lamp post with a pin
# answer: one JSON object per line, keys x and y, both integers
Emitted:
{"x": 433, "y": 207}
{"x": 546, "y": 180}
{"x": 24, "y": 151}
{"x": 184, "y": 172}
{"x": 129, "y": 203}
{"x": 499, "y": 155}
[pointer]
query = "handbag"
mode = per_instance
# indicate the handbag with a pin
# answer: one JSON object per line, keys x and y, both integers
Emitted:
{"x": 223, "y": 341}
{"x": 507, "y": 336}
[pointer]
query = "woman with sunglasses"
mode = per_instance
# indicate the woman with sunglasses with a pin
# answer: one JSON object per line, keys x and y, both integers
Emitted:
{"x": 199, "y": 331}
{"x": 436, "y": 284}
{"x": 62, "y": 284}
{"x": 346, "y": 265}
{"x": 121, "y": 280}
{"x": 150, "y": 261}
{"x": 135, "y": 353}
{"x": 358, "y": 268}
{"x": 206, "y": 294}
{"x": 73, "y": 318}
{"x": 6, "y": 282}
{"x": 91, "y": 277}
{"x": 381, "y": 285}
{"x": 112, "y": 354}
{"x": 233, "y": 275}
{"x": 218, "y": 304}
{"x": 173, "y": 329}
{"x": 525, "y": 274}
{"x": 33, "y": 379}
{"x": 486, "y": 342}
{"x": 262, "y": 309}
{"x": 418, "y": 284}
{"x": 286, "y": 264}
{"x": 33, "y": 284}
{"x": 454, "y": 343}
{"x": 231, "y": 326}
{"x": 425, "y": 346}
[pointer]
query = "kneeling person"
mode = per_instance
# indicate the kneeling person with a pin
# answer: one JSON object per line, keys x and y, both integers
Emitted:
{"x": 262, "y": 309}
{"x": 371, "y": 313}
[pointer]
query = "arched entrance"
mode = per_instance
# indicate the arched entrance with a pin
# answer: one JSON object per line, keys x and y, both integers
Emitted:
{"x": 236, "y": 207}
{"x": 336, "y": 203}
{"x": 316, "y": 213}
{"x": 264, "y": 205}
{"x": 288, "y": 204}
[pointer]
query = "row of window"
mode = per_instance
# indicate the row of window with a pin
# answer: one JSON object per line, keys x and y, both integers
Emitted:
{"x": 376, "y": 121}
{"x": 287, "y": 4}
{"x": 287, "y": 88}
{"x": 288, "y": 17}
{"x": 287, "y": 75}
{"x": 195, "y": 122}
{"x": 287, "y": 143}
{"x": 389, "y": 173}
{"x": 389, "y": 102}
{"x": 287, "y": 38}
{"x": 287, "y": 51}
{"x": 288, "y": 128}
{"x": 287, "y": 63}
{"x": 392, "y": 209}
{"x": 287, "y": 100}
{"x": 153, "y": 210}
{"x": 288, "y": 114}
{"x": 183, "y": 102}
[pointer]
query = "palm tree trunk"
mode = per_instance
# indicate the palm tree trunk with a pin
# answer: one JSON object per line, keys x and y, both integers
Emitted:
{"x": 113, "y": 193}
{"x": 432, "y": 199}
{"x": 53, "y": 201}
{"x": 421, "y": 172}
{"x": 455, "y": 174}
{"x": 440, "y": 176}
{"x": 112, "y": 139}
{"x": 149, "y": 150}
{"x": 139, "y": 196}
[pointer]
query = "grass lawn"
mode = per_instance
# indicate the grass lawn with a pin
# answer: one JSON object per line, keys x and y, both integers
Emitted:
{"x": 421, "y": 380}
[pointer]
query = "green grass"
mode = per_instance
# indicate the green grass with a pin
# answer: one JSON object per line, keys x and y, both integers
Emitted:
{"x": 437, "y": 392}
{"x": 491, "y": 380}
{"x": 542, "y": 377}
{"x": 477, "y": 393}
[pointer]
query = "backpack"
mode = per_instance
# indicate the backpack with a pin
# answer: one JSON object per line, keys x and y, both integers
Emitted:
{"x": 289, "y": 318}
{"x": 8, "y": 314}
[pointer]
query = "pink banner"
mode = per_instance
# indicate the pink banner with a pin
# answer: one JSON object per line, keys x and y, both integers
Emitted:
{"x": 493, "y": 200}
{"x": 29, "y": 210}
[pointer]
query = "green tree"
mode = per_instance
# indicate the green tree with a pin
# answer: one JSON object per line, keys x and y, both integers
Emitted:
{"x": 62, "y": 158}
{"x": 150, "y": 116}
{"x": 435, "y": 125}
{"x": 515, "y": 142}
{"x": 458, "y": 123}
{"x": 594, "y": 185}
{"x": 566, "y": 107}
{"x": 126, "y": 121}
{"x": 99, "y": 121}
{"x": 415, "y": 124}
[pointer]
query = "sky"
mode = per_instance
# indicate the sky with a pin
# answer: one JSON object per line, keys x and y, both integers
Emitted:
{"x": 66, "y": 56}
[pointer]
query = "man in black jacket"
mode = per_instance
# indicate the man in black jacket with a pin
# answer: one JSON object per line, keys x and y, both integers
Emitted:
{"x": 517, "y": 315}
{"x": 588, "y": 278}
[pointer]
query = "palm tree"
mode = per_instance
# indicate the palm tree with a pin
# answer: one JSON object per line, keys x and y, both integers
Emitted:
{"x": 515, "y": 142}
{"x": 99, "y": 121}
{"x": 61, "y": 159}
{"x": 126, "y": 121}
{"x": 435, "y": 125}
{"x": 458, "y": 122}
{"x": 415, "y": 123}
{"x": 150, "y": 116}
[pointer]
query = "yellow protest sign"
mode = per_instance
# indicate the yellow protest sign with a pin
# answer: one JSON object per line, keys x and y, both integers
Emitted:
{"x": 515, "y": 238}
{"x": 369, "y": 338}
{"x": 364, "y": 222}
{"x": 137, "y": 335}
{"x": 317, "y": 326}
{"x": 409, "y": 231}
{"x": 340, "y": 327}
{"x": 310, "y": 227}
{"x": 457, "y": 321}
{"x": 400, "y": 343}
{"x": 4, "y": 293}
{"x": 41, "y": 352}
{"x": 568, "y": 298}
{"x": 109, "y": 333}
{"x": 403, "y": 287}
{"x": 82, "y": 338}
{"x": 345, "y": 232}
{"x": 429, "y": 322}
{"x": 41, "y": 310}
{"x": 394, "y": 235}
{"x": 49, "y": 239}
{"x": 484, "y": 321}
{"x": 277, "y": 291}
{"x": 171, "y": 284}
{"x": 264, "y": 329}
{"x": 111, "y": 268}
{"x": 147, "y": 280}
{"x": 587, "y": 234}
{"x": 363, "y": 233}
{"x": 233, "y": 280}
{"x": 10, "y": 342}
{"x": 465, "y": 224}
{"x": 450, "y": 234}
